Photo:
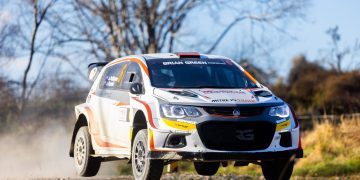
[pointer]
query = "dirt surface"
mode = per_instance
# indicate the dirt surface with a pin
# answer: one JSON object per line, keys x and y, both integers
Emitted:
{"x": 165, "y": 177}
{"x": 195, "y": 177}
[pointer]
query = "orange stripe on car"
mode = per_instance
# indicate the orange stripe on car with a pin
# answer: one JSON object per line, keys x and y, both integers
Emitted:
{"x": 121, "y": 104}
{"x": 151, "y": 140}
{"x": 121, "y": 75}
{"x": 94, "y": 131}
{"x": 250, "y": 76}
{"x": 148, "y": 109}
{"x": 133, "y": 59}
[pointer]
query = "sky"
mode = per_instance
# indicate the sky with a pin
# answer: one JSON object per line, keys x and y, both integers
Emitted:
{"x": 307, "y": 37}
{"x": 310, "y": 36}
{"x": 322, "y": 15}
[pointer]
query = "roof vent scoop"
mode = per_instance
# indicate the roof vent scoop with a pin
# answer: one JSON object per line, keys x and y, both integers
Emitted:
{"x": 188, "y": 54}
{"x": 262, "y": 93}
{"x": 183, "y": 93}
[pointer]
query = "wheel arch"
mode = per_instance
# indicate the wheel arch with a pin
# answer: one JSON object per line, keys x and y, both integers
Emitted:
{"x": 80, "y": 122}
{"x": 139, "y": 122}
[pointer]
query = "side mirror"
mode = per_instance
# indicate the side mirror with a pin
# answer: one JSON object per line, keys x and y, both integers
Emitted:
{"x": 136, "y": 88}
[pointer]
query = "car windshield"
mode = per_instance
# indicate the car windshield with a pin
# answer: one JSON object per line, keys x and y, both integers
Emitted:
{"x": 197, "y": 73}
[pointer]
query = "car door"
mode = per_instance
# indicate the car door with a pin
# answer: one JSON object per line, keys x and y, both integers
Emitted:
{"x": 110, "y": 114}
{"x": 122, "y": 107}
{"x": 115, "y": 106}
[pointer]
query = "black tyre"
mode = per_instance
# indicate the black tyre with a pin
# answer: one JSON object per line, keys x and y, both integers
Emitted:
{"x": 277, "y": 169}
{"x": 85, "y": 164}
{"x": 142, "y": 167}
{"x": 206, "y": 168}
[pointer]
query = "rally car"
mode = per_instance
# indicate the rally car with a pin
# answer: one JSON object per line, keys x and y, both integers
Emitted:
{"x": 156, "y": 109}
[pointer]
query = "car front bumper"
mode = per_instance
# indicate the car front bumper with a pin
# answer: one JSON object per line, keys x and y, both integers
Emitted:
{"x": 225, "y": 156}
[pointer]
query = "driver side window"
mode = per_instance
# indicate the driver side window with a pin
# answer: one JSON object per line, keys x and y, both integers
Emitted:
{"x": 132, "y": 75}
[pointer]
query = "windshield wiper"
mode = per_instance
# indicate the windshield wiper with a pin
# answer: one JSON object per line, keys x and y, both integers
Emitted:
{"x": 215, "y": 87}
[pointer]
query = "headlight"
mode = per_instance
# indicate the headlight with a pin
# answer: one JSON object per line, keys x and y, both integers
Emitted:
{"x": 174, "y": 111}
{"x": 280, "y": 111}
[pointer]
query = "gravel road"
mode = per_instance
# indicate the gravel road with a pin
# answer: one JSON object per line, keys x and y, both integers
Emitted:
{"x": 197, "y": 177}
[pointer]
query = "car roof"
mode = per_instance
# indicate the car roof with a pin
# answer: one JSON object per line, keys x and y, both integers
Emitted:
{"x": 157, "y": 56}
{"x": 175, "y": 56}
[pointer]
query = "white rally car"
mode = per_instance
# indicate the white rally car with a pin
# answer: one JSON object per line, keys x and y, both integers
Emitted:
{"x": 155, "y": 109}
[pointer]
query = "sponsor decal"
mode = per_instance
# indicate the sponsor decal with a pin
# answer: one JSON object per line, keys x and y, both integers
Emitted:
{"x": 195, "y": 62}
{"x": 180, "y": 124}
{"x": 173, "y": 63}
{"x": 283, "y": 125}
{"x": 110, "y": 81}
{"x": 217, "y": 63}
{"x": 166, "y": 63}
{"x": 185, "y": 121}
{"x": 233, "y": 100}
{"x": 222, "y": 91}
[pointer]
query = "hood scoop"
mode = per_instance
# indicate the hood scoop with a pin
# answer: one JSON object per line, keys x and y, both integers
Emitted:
{"x": 183, "y": 93}
{"x": 262, "y": 93}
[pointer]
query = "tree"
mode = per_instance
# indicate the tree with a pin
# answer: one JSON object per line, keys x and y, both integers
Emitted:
{"x": 311, "y": 88}
{"x": 7, "y": 33}
{"x": 115, "y": 28}
{"x": 7, "y": 102}
{"x": 304, "y": 84}
{"x": 107, "y": 29}
{"x": 335, "y": 55}
{"x": 262, "y": 14}
{"x": 340, "y": 93}
{"x": 39, "y": 14}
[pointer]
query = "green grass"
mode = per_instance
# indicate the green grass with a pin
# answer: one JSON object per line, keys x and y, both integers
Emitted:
{"x": 330, "y": 168}
{"x": 331, "y": 150}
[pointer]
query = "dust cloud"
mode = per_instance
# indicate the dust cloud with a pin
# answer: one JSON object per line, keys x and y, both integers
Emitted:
{"x": 36, "y": 153}
{"x": 40, "y": 153}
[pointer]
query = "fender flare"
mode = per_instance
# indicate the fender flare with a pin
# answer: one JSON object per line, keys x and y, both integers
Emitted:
{"x": 81, "y": 120}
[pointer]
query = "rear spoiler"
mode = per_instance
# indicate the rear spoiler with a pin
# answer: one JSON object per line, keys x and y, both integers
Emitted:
{"x": 94, "y": 69}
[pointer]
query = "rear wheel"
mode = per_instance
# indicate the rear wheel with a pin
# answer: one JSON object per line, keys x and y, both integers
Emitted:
{"x": 142, "y": 167}
{"x": 85, "y": 164}
{"x": 277, "y": 169}
{"x": 206, "y": 168}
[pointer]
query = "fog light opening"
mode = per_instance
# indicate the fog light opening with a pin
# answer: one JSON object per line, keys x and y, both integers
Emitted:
{"x": 175, "y": 141}
{"x": 285, "y": 140}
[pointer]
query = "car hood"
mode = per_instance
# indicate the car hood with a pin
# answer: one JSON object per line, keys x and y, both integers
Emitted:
{"x": 217, "y": 97}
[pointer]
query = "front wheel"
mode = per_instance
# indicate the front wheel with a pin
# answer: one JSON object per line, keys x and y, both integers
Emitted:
{"x": 277, "y": 169}
{"x": 206, "y": 168}
{"x": 142, "y": 167}
{"x": 85, "y": 164}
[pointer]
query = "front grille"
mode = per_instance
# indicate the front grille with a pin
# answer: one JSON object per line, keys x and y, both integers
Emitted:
{"x": 236, "y": 136}
{"x": 228, "y": 111}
